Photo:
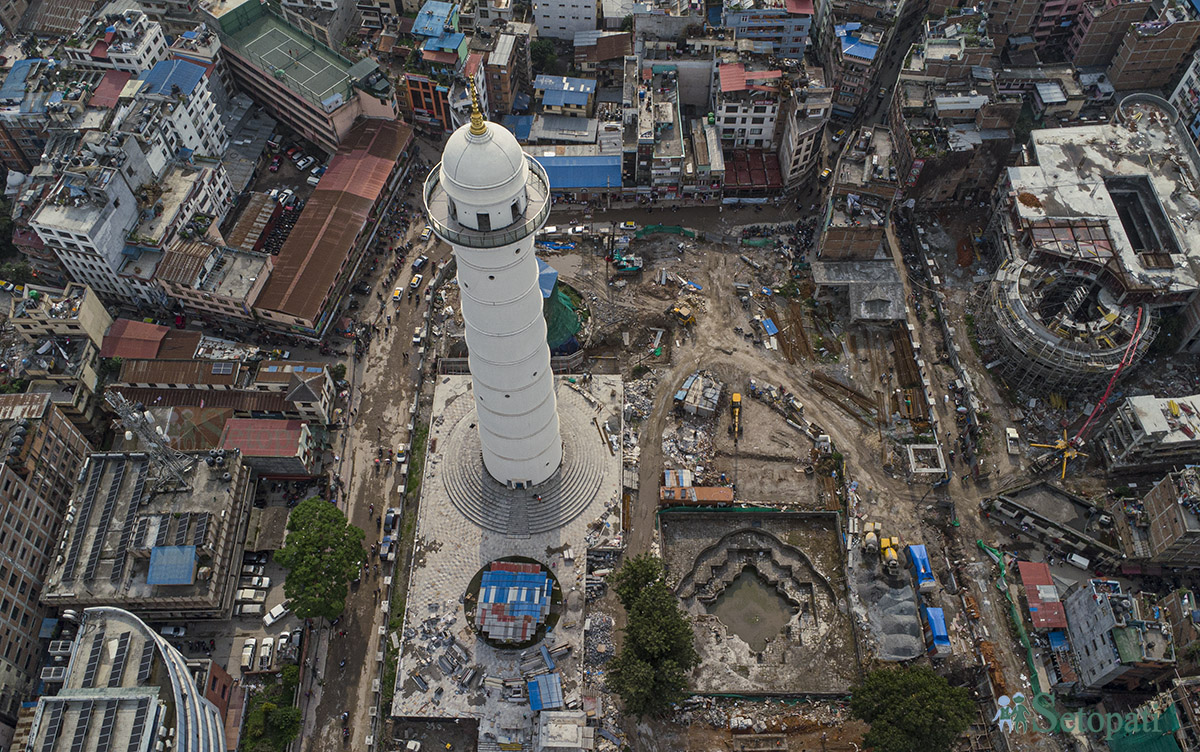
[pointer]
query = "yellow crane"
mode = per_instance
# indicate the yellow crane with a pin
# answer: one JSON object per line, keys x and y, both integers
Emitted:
{"x": 1064, "y": 448}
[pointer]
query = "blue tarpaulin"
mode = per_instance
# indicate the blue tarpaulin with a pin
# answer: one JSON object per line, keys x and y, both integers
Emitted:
{"x": 770, "y": 328}
{"x": 936, "y": 619}
{"x": 918, "y": 559}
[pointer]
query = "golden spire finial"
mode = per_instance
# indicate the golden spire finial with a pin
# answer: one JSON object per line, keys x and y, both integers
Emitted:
{"x": 478, "y": 128}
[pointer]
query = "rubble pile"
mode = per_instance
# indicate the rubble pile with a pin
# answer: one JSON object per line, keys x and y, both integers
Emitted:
{"x": 639, "y": 397}
{"x": 760, "y": 717}
{"x": 687, "y": 444}
{"x": 598, "y": 647}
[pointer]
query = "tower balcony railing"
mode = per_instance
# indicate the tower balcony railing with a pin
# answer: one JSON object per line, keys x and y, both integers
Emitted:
{"x": 537, "y": 210}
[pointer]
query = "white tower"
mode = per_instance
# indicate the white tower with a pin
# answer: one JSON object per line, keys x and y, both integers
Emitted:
{"x": 487, "y": 199}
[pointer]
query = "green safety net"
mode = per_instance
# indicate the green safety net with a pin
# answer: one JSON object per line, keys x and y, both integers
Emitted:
{"x": 1015, "y": 614}
{"x": 1161, "y": 739}
{"x": 562, "y": 322}
{"x": 669, "y": 229}
{"x": 757, "y": 242}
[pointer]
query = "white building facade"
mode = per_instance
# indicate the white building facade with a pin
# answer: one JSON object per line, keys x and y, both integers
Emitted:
{"x": 560, "y": 19}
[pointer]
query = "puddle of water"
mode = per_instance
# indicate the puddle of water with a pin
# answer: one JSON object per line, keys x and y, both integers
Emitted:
{"x": 752, "y": 609}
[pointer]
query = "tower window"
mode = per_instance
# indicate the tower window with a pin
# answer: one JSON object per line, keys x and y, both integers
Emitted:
{"x": 484, "y": 221}
{"x": 516, "y": 211}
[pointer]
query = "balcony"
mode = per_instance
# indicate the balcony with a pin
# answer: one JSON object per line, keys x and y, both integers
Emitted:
{"x": 437, "y": 205}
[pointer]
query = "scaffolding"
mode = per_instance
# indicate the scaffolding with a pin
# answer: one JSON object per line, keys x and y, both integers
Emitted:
{"x": 1059, "y": 327}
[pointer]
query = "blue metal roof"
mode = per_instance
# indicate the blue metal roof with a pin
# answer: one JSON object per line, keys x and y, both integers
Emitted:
{"x": 564, "y": 83}
{"x": 520, "y": 125}
{"x": 523, "y": 593}
{"x": 168, "y": 73}
{"x": 853, "y": 45}
{"x": 545, "y": 692}
{"x": 172, "y": 565}
{"x": 770, "y": 328}
{"x": 13, "y": 89}
{"x": 445, "y": 42}
{"x": 561, "y": 97}
{"x": 574, "y": 173}
{"x": 547, "y": 278}
{"x": 432, "y": 20}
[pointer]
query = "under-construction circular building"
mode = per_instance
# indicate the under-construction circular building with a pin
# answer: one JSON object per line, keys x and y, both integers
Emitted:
{"x": 1060, "y": 327}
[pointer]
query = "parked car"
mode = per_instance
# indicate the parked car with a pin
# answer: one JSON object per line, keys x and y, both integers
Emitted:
{"x": 275, "y": 614}
{"x": 825, "y": 174}
{"x": 401, "y": 457}
{"x": 415, "y": 283}
{"x": 390, "y": 518}
{"x": 250, "y": 595}
{"x": 286, "y": 196}
{"x": 363, "y": 288}
{"x": 173, "y": 631}
{"x": 292, "y": 151}
{"x": 419, "y": 262}
{"x": 298, "y": 156}
{"x": 248, "y": 609}
{"x": 252, "y": 570}
{"x": 312, "y": 180}
{"x": 385, "y": 548}
{"x": 397, "y": 294}
{"x": 319, "y": 170}
{"x": 629, "y": 225}
{"x": 275, "y": 164}
{"x": 255, "y": 557}
{"x": 248, "y": 650}
{"x": 427, "y": 233}
{"x": 838, "y": 136}
{"x": 418, "y": 336}
{"x": 305, "y": 163}
{"x": 266, "y": 653}
{"x": 255, "y": 582}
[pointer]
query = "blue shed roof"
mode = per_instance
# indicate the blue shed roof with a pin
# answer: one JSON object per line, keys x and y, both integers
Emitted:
{"x": 172, "y": 565}
{"x": 573, "y": 173}
{"x": 13, "y": 89}
{"x": 520, "y": 125}
{"x": 561, "y": 97}
{"x": 852, "y": 44}
{"x": 168, "y": 73}
{"x": 545, "y": 692}
{"x": 524, "y": 593}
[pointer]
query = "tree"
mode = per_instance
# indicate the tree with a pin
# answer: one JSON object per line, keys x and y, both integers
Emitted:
{"x": 911, "y": 709}
{"x": 542, "y": 55}
{"x": 627, "y": 23}
{"x": 650, "y": 673}
{"x": 285, "y": 723}
{"x": 338, "y": 372}
{"x": 634, "y": 577}
{"x": 322, "y": 554}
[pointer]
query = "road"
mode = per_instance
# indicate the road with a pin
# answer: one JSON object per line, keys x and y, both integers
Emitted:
{"x": 382, "y": 389}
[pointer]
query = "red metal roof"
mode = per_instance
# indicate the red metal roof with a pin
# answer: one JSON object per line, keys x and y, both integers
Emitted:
{"x": 800, "y": 7}
{"x": 1045, "y": 609}
{"x": 439, "y": 56}
{"x": 474, "y": 60}
{"x": 132, "y": 339}
{"x": 311, "y": 259}
{"x": 108, "y": 91}
{"x": 236, "y": 399}
{"x": 752, "y": 168}
{"x": 262, "y": 437}
{"x": 735, "y": 77}
{"x": 100, "y": 49}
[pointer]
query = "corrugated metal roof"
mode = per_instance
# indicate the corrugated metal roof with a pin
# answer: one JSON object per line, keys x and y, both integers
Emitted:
{"x": 263, "y": 437}
{"x": 561, "y": 98}
{"x": 735, "y": 77}
{"x": 159, "y": 371}
{"x": 432, "y": 20}
{"x": 132, "y": 339}
{"x": 564, "y": 83}
{"x": 247, "y": 233}
{"x": 573, "y": 173}
{"x": 1045, "y": 609}
{"x": 108, "y": 91}
{"x": 169, "y": 73}
{"x": 308, "y": 264}
{"x": 13, "y": 88}
{"x": 182, "y": 262}
{"x": 235, "y": 399}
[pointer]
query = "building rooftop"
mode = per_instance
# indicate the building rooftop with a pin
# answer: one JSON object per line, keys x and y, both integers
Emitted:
{"x": 173, "y": 78}
{"x": 263, "y": 437}
{"x": 132, "y": 339}
{"x": 735, "y": 77}
{"x": 311, "y": 258}
{"x": 1045, "y": 607}
{"x": 858, "y": 42}
{"x": 434, "y": 18}
{"x": 122, "y": 517}
{"x": 212, "y": 373}
{"x": 1169, "y": 420}
{"x": 1137, "y": 181}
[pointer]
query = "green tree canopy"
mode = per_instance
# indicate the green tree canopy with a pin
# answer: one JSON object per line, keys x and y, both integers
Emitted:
{"x": 911, "y": 709}
{"x": 650, "y": 673}
{"x": 543, "y": 56}
{"x": 322, "y": 554}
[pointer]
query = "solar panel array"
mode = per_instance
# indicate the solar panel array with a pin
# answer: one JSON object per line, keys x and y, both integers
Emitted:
{"x": 164, "y": 525}
{"x": 201, "y": 531}
{"x": 143, "y": 526}
{"x": 81, "y": 728}
{"x": 147, "y": 662}
{"x": 185, "y": 519}
{"x": 53, "y": 726}
{"x": 106, "y": 727}
{"x": 119, "y": 660}
{"x": 131, "y": 517}
{"x": 89, "y": 673}
{"x": 139, "y": 724}
{"x": 110, "y": 505}
{"x": 85, "y": 511}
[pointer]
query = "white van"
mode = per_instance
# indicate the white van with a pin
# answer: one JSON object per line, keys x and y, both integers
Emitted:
{"x": 248, "y": 654}
{"x": 266, "y": 653}
{"x": 251, "y": 595}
